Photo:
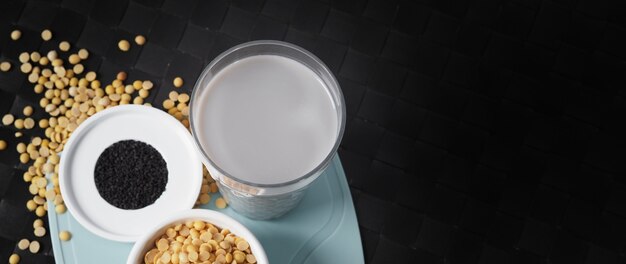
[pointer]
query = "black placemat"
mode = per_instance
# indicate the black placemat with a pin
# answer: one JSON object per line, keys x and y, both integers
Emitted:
{"x": 479, "y": 131}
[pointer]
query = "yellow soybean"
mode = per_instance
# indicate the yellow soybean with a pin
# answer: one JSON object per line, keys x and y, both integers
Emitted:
{"x": 65, "y": 235}
{"x": 123, "y": 45}
{"x": 64, "y": 46}
{"x": 83, "y": 54}
{"x": 46, "y": 35}
{"x": 220, "y": 203}
{"x": 39, "y": 231}
{"x": 16, "y": 34}
{"x": 140, "y": 40}
{"x": 5, "y": 66}
{"x": 14, "y": 259}
{"x": 178, "y": 82}
{"x": 34, "y": 247}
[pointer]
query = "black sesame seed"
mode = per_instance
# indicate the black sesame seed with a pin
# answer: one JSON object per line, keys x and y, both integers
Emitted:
{"x": 130, "y": 174}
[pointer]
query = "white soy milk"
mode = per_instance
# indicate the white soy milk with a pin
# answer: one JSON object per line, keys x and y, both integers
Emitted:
{"x": 266, "y": 119}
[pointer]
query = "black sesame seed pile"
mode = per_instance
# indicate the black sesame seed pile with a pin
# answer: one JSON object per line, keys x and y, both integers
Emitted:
{"x": 130, "y": 174}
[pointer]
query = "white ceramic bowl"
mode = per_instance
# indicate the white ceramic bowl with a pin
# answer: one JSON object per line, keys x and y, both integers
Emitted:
{"x": 137, "y": 122}
{"x": 218, "y": 219}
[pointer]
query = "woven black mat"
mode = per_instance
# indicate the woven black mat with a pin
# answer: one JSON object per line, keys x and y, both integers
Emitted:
{"x": 479, "y": 131}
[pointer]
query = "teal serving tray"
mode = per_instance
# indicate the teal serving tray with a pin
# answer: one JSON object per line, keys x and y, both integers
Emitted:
{"x": 322, "y": 229}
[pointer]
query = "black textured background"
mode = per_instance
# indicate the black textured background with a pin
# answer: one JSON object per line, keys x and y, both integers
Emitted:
{"x": 479, "y": 131}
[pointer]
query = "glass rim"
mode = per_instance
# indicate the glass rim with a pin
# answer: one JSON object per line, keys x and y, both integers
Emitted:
{"x": 338, "y": 102}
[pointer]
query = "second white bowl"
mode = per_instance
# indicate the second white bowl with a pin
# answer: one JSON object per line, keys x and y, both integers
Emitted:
{"x": 218, "y": 219}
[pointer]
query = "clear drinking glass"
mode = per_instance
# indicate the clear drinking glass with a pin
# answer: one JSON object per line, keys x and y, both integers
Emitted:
{"x": 266, "y": 201}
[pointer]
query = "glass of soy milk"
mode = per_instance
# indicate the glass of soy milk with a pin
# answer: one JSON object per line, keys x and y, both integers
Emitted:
{"x": 267, "y": 117}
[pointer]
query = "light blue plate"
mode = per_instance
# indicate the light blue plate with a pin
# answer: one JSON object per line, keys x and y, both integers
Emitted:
{"x": 322, "y": 229}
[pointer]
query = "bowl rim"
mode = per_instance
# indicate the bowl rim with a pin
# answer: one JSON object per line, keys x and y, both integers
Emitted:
{"x": 211, "y": 216}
